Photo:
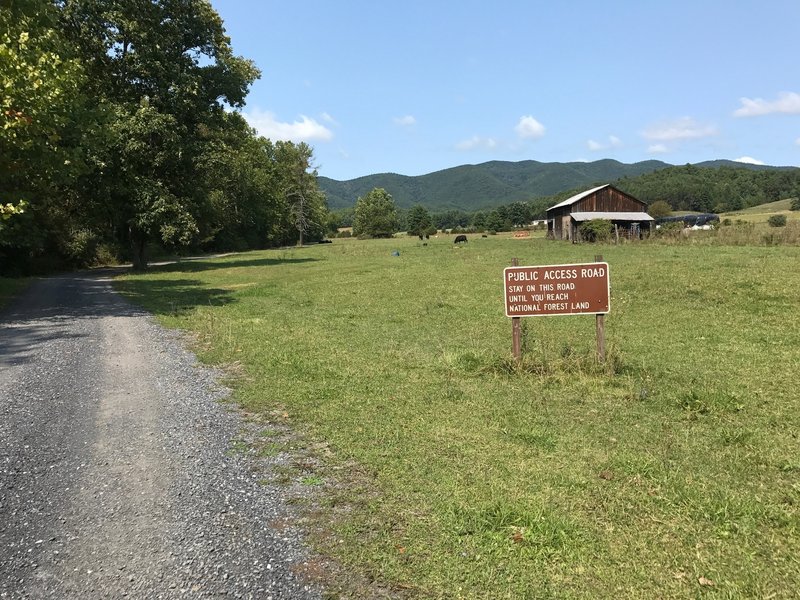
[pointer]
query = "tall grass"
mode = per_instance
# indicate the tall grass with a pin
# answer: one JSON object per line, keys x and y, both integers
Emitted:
{"x": 740, "y": 233}
{"x": 454, "y": 473}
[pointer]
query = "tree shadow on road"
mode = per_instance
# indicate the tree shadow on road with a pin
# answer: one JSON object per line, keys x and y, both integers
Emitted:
{"x": 191, "y": 265}
{"x": 52, "y": 308}
{"x": 171, "y": 296}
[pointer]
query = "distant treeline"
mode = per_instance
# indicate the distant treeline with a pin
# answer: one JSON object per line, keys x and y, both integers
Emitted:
{"x": 717, "y": 190}
{"x": 702, "y": 189}
{"x": 502, "y": 218}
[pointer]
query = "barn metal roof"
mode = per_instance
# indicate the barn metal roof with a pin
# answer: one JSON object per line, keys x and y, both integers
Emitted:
{"x": 576, "y": 197}
{"x": 636, "y": 217}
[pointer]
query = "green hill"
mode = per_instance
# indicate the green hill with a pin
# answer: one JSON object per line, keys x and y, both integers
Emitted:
{"x": 487, "y": 185}
{"x": 768, "y": 207}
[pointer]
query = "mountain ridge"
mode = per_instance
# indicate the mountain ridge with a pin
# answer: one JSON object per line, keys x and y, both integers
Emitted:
{"x": 490, "y": 184}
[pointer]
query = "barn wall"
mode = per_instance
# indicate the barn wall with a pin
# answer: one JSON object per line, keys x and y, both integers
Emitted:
{"x": 608, "y": 199}
{"x": 611, "y": 200}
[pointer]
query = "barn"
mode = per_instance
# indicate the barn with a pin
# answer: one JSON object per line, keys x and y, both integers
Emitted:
{"x": 628, "y": 214}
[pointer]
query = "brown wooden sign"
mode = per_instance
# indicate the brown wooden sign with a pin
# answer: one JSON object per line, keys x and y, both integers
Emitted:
{"x": 581, "y": 289}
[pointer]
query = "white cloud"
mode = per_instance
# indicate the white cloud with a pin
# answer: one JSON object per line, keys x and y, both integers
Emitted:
{"x": 304, "y": 130}
{"x": 613, "y": 142}
{"x": 405, "y": 121}
{"x": 797, "y": 141}
{"x": 476, "y": 142}
{"x": 528, "y": 127}
{"x": 749, "y": 160}
{"x": 657, "y": 149}
{"x": 684, "y": 128}
{"x": 329, "y": 119}
{"x": 594, "y": 146}
{"x": 787, "y": 103}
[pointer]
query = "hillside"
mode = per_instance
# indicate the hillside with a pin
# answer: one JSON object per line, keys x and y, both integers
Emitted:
{"x": 487, "y": 185}
{"x": 491, "y": 184}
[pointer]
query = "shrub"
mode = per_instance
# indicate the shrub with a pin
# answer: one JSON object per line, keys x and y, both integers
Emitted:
{"x": 777, "y": 221}
{"x": 107, "y": 254}
{"x": 596, "y": 230}
{"x": 672, "y": 230}
{"x": 659, "y": 209}
{"x": 795, "y": 204}
{"x": 80, "y": 247}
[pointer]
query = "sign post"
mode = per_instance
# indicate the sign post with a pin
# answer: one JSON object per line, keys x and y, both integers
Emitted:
{"x": 516, "y": 329}
{"x": 601, "y": 327}
{"x": 551, "y": 290}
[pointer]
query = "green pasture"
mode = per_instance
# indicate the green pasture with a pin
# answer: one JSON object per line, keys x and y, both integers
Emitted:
{"x": 11, "y": 287}
{"x": 761, "y": 213}
{"x": 447, "y": 471}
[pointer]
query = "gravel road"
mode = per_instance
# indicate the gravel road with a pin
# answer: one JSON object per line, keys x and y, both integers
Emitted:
{"x": 116, "y": 476}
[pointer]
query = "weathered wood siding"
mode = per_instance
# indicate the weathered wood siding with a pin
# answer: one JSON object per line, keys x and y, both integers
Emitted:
{"x": 609, "y": 200}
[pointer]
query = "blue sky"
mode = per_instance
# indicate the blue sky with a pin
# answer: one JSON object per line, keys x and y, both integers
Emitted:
{"x": 413, "y": 87}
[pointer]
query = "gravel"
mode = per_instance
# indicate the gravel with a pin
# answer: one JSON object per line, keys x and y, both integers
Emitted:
{"x": 117, "y": 475}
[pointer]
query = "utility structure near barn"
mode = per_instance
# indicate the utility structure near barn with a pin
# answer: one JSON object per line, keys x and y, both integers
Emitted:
{"x": 628, "y": 215}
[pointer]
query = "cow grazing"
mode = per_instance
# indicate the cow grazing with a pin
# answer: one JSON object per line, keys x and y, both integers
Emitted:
{"x": 460, "y": 238}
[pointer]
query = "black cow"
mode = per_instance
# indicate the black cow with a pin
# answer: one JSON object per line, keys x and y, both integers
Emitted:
{"x": 460, "y": 238}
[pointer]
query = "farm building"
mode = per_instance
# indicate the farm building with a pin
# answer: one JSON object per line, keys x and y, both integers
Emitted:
{"x": 628, "y": 214}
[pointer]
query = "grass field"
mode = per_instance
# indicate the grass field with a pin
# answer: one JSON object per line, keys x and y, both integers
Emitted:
{"x": 759, "y": 214}
{"x": 11, "y": 287}
{"x": 447, "y": 472}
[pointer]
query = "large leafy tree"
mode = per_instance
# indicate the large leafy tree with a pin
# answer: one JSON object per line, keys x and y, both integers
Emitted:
{"x": 164, "y": 71}
{"x": 375, "y": 214}
{"x": 305, "y": 203}
{"x": 237, "y": 173}
{"x": 43, "y": 126}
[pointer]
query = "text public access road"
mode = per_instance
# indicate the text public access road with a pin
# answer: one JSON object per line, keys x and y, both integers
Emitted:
{"x": 582, "y": 289}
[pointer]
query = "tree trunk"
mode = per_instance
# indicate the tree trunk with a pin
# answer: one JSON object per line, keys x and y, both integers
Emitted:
{"x": 138, "y": 257}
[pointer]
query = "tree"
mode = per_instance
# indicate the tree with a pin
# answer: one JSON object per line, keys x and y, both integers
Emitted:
{"x": 43, "y": 125}
{"x": 419, "y": 221}
{"x": 518, "y": 213}
{"x": 494, "y": 221}
{"x": 659, "y": 209}
{"x": 236, "y": 187}
{"x": 164, "y": 70}
{"x": 306, "y": 203}
{"x": 375, "y": 215}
